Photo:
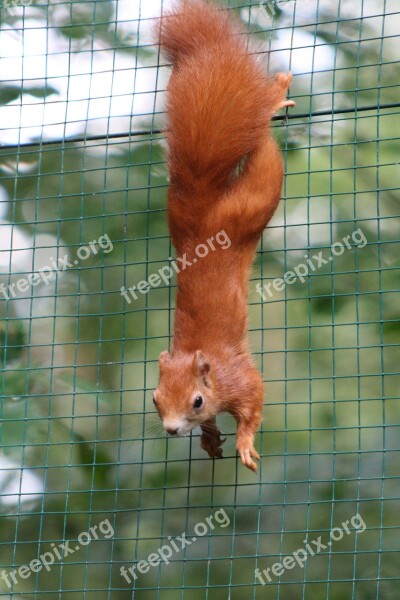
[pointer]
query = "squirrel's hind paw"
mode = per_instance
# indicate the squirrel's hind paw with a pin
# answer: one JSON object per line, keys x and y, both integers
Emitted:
{"x": 283, "y": 81}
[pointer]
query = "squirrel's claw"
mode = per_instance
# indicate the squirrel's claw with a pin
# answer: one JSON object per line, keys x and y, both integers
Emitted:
{"x": 287, "y": 103}
{"x": 245, "y": 456}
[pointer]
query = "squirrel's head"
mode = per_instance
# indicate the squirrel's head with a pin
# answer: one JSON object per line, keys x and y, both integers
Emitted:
{"x": 184, "y": 396}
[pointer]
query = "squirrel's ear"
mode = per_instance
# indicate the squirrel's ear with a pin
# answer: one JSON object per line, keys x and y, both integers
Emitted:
{"x": 164, "y": 359}
{"x": 201, "y": 366}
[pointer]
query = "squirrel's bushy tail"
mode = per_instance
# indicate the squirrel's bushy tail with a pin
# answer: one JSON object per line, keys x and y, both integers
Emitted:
{"x": 219, "y": 98}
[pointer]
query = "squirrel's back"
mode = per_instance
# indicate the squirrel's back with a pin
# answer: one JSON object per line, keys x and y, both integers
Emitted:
{"x": 219, "y": 98}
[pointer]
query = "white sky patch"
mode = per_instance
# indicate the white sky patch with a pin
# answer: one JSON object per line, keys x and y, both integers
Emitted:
{"x": 17, "y": 485}
{"x": 99, "y": 91}
{"x": 28, "y": 253}
{"x": 129, "y": 10}
{"x": 300, "y": 52}
{"x": 292, "y": 49}
{"x": 15, "y": 248}
{"x": 4, "y": 201}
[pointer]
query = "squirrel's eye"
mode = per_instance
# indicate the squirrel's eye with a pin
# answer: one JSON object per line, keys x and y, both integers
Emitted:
{"x": 198, "y": 402}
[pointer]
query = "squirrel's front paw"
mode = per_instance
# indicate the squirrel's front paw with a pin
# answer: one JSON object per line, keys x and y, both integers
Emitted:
{"x": 247, "y": 451}
{"x": 211, "y": 442}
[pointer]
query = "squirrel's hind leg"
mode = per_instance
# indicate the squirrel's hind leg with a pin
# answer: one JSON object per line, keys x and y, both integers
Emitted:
{"x": 283, "y": 81}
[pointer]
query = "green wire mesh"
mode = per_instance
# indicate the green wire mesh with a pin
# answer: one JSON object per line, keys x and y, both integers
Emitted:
{"x": 93, "y": 496}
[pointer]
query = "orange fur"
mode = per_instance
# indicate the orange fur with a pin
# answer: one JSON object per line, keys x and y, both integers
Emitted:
{"x": 219, "y": 106}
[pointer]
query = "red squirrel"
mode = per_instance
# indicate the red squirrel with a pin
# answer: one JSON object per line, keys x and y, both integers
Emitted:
{"x": 225, "y": 175}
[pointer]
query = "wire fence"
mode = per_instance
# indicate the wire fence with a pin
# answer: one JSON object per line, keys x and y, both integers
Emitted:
{"x": 95, "y": 501}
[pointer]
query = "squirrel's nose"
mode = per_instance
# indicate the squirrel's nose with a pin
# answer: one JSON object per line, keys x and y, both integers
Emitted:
{"x": 172, "y": 431}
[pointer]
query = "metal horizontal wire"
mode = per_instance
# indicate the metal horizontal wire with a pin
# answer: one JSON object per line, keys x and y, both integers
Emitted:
{"x": 113, "y": 136}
